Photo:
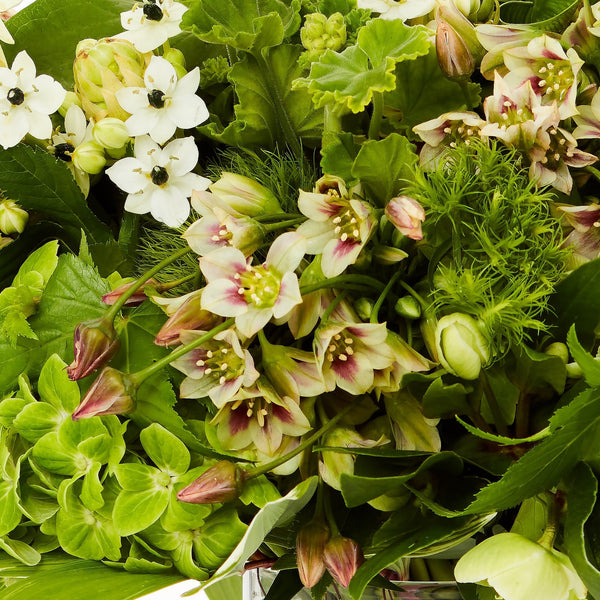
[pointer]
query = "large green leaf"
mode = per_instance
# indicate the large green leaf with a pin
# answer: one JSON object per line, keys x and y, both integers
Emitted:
{"x": 72, "y": 295}
{"x": 269, "y": 112}
{"x": 40, "y": 182}
{"x": 544, "y": 15}
{"x": 582, "y": 490}
{"x": 50, "y": 31}
{"x": 249, "y": 26}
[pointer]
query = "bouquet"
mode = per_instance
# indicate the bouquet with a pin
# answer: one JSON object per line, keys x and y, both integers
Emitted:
{"x": 304, "y": 285}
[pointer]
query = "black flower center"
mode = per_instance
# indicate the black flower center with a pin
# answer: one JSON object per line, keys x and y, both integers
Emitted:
{"x": 159, "y": 175}
{"x": 15, "y": 96}
{"x": 153, "y": 11}
{"x": 156, "y": 98}
{"x": 64, "y": 151}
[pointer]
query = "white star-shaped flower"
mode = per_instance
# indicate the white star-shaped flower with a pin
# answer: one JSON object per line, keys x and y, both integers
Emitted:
{"x": 164, "y": 104}
{"x": 26, "y": 101}
{"x": 150, "y": 24}
{"x": 398, "y": 9}
{"x": 159, "y": 180}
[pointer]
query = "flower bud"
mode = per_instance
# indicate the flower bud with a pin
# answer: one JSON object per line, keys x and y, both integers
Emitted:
{"x": 461, "y": 346}
{"x": 12, "y": 217}
{"x": 189, "y": 316}
{"x": 454, "y": 57}
{"x": 342, "y": 557}
{"x": 112, "y": 393}
{"x": 70, "y": 99}
{"x": 406, "y": 214}
{"x": 321, "y": 33}
{"x": 95, "y": 343}
{"x": 558, "y": 349}
{"x": 244, "y": 195}
{"x": 388, "y": 255}
{"x": 136, "y": 299}
{"x": 463, "y": 28}
{"x": 310, "y": 547}
{"x": 89, "y": 157}
{"x": 363, "y": 307}
{"x": 177, "y": 60}
{"x": 222, "y": 482}
{"x": 5, "y": 241}
{"x": 111, "y": 133}
{"x": 408, "y": 307}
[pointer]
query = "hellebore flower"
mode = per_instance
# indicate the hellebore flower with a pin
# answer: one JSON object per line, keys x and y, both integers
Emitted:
{"x": 342, "y": 557}
{"x": 406, "y": 215}
{"x": 159, "y": 181}
{"x": 253, "y": 294}
{"x": 95, "y": 343}
{"x": 461, "y": 346}
{"x": 519, "y": 569}
{"x": 310, "y": 548}
{"x": 222, "y": 482}
{"x": 217, "y": 369}
{"x": 237, "y": 195}
{"x": 26, "y": 102}
{"x": 338, "y": 227}
{"x": 164, "y": 104}
{"x": 398, "y": 9}
{"x": 111, "y": 394}
{"x": 151, "y": 23}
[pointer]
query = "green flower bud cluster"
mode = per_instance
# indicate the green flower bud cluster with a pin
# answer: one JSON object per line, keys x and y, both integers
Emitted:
{"x": 477, "y": 11}
{"x": 213, "y": 71}
{"x": 321, "y": 33}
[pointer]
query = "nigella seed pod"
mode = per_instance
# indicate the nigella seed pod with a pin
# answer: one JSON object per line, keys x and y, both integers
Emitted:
{"x": 222, "y": 482}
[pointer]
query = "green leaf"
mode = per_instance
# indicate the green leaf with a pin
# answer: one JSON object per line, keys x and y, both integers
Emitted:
{"x": 269, "y": 112}
{"x": 78, "y": 19}
{"x": 91, "y": 490}
{"x": 181, "y": 516}
{"x": 72, "y": 295}
{"x": 165, "y": 450}
{"x": 589, "y": 365}
{"x": 384, "y": 166}
{"x": 134, "y": 511}
{"x": 82, "y": 532}
{"x": 545, "y": 464}
{"x": 442, "y": 400}
{"x": 43, "y": 261}
{"x": 220, "y": 533}
{"x": 575, "y": 303}
{"x": 503, "y": 440}
{"x": 534, "y": 371}
{"x": 20, "y": 550}
{"x": 40, "y": 182}
{"x": 38, "y": 419}
{"x": 10, "y": 513}
{"x": 423, "y": 93}
{"x": 582, "y": 490}
{"x": 242, "y": 25}
{"x": 337, "y": 157}
{"x": 55, "y": 387}
{"x": 544, "y": 15}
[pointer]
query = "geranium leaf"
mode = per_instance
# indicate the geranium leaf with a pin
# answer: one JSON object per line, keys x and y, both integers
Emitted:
{"x": 269, "y": 112}
{"x": 243, "y": 25}
{"x": 40, "y": 182}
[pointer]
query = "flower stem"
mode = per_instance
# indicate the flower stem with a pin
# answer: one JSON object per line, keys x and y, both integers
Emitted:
{"x": 382, "y": 297}
{"x": 376, "y": 116}
{"x": 493, "y": 404}
{"x": 140, "y": 376}
{"x": 275, "y": 217}
{"x": 554, "y": 510}
{"x": 330, "y": 517}
{"x": 595, "y": 172}
{"x": 116, "y": 307}
{"x": 284, "y": 224}
{"x": 341, "y": 280}
{"x": 305, "y": 444}
{"x": 415, "y": 295}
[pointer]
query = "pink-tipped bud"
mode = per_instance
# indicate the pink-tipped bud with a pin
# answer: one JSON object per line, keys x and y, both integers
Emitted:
{"x": 406, "y": 214}
{"x": 135, "y": 300}
{"x": 454, "y": 57}
{"x": 220, "y": 483}
{"x": 95, "y": 343}
{"x": 111, "y": 394}
{"x": 188, "y": 317}
{"x": 342, "y": 558}
{"x": 310, "y": 546}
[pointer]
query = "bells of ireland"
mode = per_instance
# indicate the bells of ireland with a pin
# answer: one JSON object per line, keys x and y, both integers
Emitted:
{"x": 461, "y": 346}
{"x": 101, "y": 68}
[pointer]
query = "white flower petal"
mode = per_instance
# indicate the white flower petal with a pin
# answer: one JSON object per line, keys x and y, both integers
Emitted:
{"x": 162, "y": 129}
{"x": 129, "y": 174}
{"x": 251, "y": 322}
{"x": 188, "y": 84}
{"x": 24, "y": 67}
{"x": 221, "y": 297}
{"x": 286, "y": 252}
{"x": 40, "y": 125}
{"x": 132, "y": 99}
{"x": 75, "y": 124}
{"x": 187, "y": 111}
{"x": 142, "y": 121}
{"x": 185, "y": 152}
{"x": 13, "y": 128}
{"x": 48, "y": 98}
{"x": 160, "y": 75}
{"x": 169, "y": 207}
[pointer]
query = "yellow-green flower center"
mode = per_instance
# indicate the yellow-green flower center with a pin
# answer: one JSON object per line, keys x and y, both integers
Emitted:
{"x": 555, "y": 78}
{"x": 259, "y": 286}
{"x": 347, "y": 223}
{"x": 220, "y": 362}
{"x": 341, "y": 347}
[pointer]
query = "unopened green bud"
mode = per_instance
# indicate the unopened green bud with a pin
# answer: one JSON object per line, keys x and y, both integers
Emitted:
{"x": 12, "y": 217}
{"x": 408, "y": 307}
{"x": 111, "y": 133}
{"x": 461, "y": 346}
{"x": 558, "y": 349}
{"x": 363, "y": 307}
{"x": 89, "y": 157}
{"x": 70, "y": 99}
{"x": 477, "y": 11}
{"x": 177, "y": 59}
{"x": 321, "y": 33}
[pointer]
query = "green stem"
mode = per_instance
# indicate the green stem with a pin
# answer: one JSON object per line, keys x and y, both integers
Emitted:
{"x": 547, "y": 539}
{"x": 464, "y": 86}
{"x": 331, "y": 522}
{"x": 587, "y": 11}
{"x": 140, "y": 376}
{"x": 341, "y": 280}
{"x": 376, "y": 116}
{"x": 595, "y": 172}
{"x": 415, "y": 295}
{"x": 116, "y": 307}
{"x": 332, "y": 125}
{"x": 304, "y": 445}
{"x": 493, "y": 404}
{"x": 522, "y": 416}
{"x": 382, "y": 296}
{"x": 284, "y": 224}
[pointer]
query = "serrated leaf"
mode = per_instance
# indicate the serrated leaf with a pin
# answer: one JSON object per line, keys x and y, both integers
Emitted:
{"x": 40, "y": 182}
{"x": 501, "y": 439}
{"x": 242, "y": 25}
{"x": 582, "y": 490}
{"x": 589, "y": 365}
